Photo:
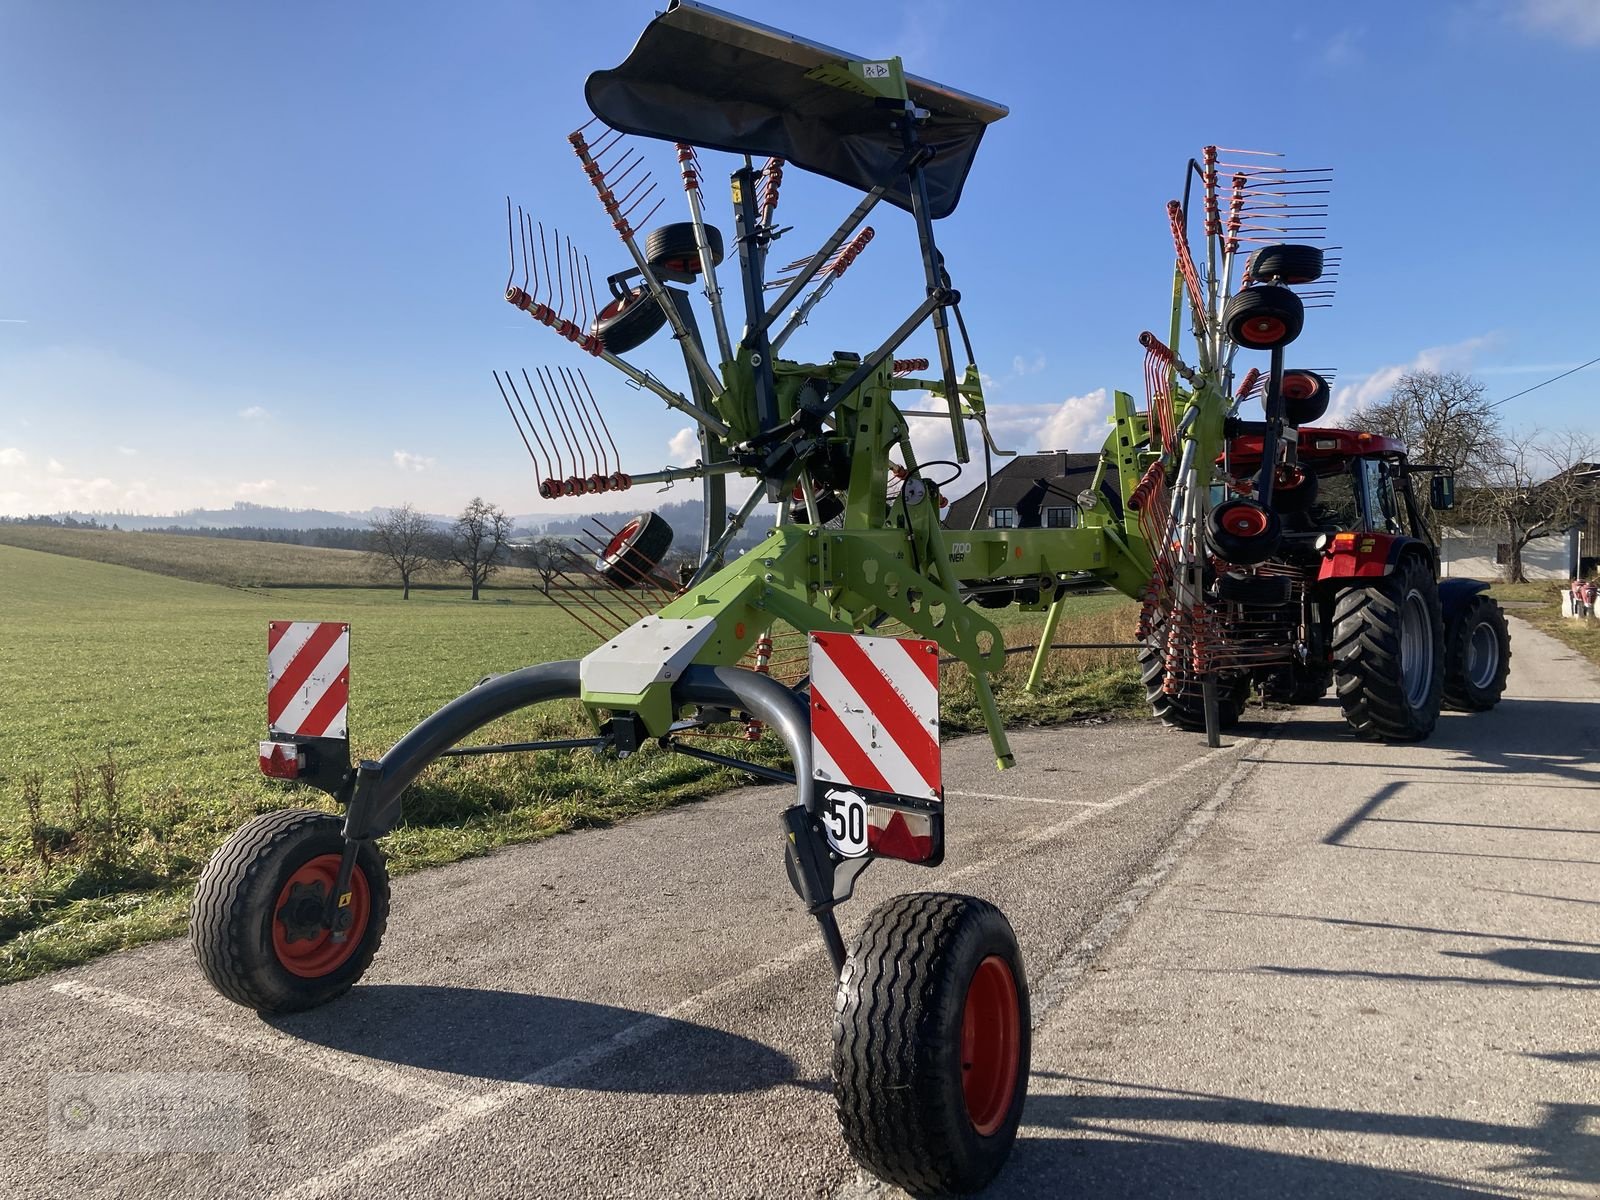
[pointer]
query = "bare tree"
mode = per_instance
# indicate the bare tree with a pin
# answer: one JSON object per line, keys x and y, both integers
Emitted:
{"x": 407, "y": 544}
{"x": 1442, "y": 417}
{"x": 547, "y": 557}
{"x": 1534, "y": 485}
{"x": 479, "y": 541}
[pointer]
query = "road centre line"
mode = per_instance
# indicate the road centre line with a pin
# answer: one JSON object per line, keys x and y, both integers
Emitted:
{"x": 347, "y": 1174}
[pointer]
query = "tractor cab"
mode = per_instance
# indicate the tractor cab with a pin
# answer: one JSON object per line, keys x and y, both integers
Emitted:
{"x": 1337, "y": 481}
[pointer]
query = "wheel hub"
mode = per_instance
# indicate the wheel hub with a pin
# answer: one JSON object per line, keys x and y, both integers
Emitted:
{"x": 301, "y": 914}
{"x": 303, "y": 943}
{"x": 1483, "y": 656}
{"x": 1416, "y": 649}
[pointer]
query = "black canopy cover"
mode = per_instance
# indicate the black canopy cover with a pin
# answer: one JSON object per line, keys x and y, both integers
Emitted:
{"x": 714, "y": 79}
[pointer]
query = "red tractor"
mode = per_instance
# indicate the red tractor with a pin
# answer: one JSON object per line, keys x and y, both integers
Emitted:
{"x": 1335, "y": 582}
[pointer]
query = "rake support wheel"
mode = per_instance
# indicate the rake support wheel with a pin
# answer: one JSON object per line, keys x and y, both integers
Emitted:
{"x": 255, "y": 922}
{"x": 634, "y": 551}
{"x": 1287, "y": 264}
{"x": 629, "y": 321}
{"x": 1264, "y": 317}
{"x": 931, "y": 1043}
{"x": 673, "y": 248}
{"x": 1305, "y": 397}
{"x": 1243, "y": 532}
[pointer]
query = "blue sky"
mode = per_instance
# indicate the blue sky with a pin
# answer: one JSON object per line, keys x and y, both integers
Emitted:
{"x": 256, "y": 251}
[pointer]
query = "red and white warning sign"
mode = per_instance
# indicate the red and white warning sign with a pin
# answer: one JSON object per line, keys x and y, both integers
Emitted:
{"x": 308, "y": 678}
{"x": 875, "y": 713}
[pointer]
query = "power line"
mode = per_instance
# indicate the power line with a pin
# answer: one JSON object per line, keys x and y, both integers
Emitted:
{"x": 1552, "y": 379}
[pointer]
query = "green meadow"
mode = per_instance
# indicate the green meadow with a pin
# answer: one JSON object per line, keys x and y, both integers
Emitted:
{"x": 131, "y": 702}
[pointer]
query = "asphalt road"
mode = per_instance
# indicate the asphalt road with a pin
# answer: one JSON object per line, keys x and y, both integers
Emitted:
{"x": 1295, "y": 965}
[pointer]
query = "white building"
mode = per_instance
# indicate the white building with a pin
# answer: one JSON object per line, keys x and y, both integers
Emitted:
{"x": 1475, "y": 552}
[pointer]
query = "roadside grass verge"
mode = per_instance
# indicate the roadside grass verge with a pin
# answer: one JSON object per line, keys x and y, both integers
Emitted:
{"x": 1582, "y": 635}
{"x": 130, "y": 705}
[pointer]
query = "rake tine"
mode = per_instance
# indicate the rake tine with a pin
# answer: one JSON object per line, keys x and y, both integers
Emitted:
{"x": 593, "y": 480}
{"x": 602, "y": 417}
{"x": 515, "y": 421}
{"x": 560, "y": 467}
{"x": 513, "y": 385}
{"x": 562, "y": 420}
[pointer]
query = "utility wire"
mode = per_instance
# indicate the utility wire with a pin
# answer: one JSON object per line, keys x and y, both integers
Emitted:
{"x": 1552, "y": 379}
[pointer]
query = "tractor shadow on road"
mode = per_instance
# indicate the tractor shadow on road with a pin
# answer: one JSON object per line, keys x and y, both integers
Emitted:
{"x": 1161, "y": 1163}
{"x": 1559, "y": 739}
{"x": 511, "y": 1036}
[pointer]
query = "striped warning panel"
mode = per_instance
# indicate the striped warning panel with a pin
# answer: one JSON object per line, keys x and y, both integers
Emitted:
{"x": 875, "y": 713}
{"x": 308, "y": 678}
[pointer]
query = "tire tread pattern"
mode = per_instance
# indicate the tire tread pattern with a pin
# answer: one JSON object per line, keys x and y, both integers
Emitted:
{"x": 893, "y": 993}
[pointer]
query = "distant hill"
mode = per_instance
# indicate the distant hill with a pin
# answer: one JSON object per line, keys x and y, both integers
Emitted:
{"x": 241, "y": 514}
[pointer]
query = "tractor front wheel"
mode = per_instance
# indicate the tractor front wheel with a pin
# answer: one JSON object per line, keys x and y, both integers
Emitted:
{"x": 257, "y": 922}
{"x": 931, "y": 1043}
{"x": 1477, "y": 657}
{"x": 1387, "y": 661}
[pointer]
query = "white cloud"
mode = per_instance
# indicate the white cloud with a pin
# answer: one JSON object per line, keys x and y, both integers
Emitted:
{"x": 1576, "y": 21}
{"x": 1077, "y": 423}
{"x": 54, "y": 467}
{"x": 12, "y": 457}
{"x": 408, "y": 461}
{"x": 1367, "y": 389}
{"x": 684, "y": 448}
{"x": 259, "y": 487}
{"x": 1027, "y": 366}
{"x": 254, "y": 413}
{"x": 126, "y": 451}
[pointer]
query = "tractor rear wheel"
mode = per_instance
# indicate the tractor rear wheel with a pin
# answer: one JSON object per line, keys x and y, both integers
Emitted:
{"x": 256, "y": 921}
{"x": 1477, "y": 657}
{"x": 1387, "y": 660}
{"x": 931, "y": 1043}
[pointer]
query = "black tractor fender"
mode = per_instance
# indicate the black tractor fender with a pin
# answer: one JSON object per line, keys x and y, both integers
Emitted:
{"x": 1453, "y": 597}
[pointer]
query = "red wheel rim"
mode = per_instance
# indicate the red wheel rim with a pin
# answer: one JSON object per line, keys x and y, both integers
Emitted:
{"x": 311, "y": 958}
{"x": 1299, "y": 387}
{"x": 1288, "y": 480}
{"x": 991, "y": 1044}
{"x": 1263, "y": 331}
{"x": 684, "y": 266}
{"x": 1245, "y": 521}
{"x": 615, "y": 546}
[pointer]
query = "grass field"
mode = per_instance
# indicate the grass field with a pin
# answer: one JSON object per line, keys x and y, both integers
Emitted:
{"x": 132, "y": 703}
{"x": 226, "y": 561}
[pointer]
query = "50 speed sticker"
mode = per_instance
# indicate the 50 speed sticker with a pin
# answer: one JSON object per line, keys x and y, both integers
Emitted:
{"x": 844, "y": 820}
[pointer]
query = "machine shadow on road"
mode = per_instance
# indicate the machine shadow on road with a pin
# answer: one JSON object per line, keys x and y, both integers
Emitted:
{"x": 509, "y": 1036}
{"x": 1554, "y": 738}
{"x": 1559, "y": 1148}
